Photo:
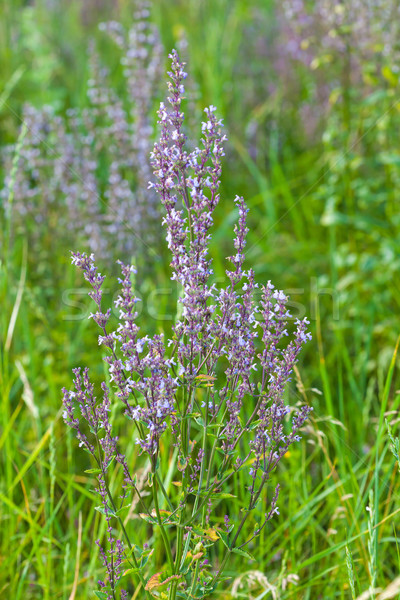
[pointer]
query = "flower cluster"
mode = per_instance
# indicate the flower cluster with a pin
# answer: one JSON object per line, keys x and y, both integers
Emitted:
{"x": 215, "y": 386}
{"x": 338, "y": 27}
{"x": 84, "y": 175}
{"x": 314, "y": 55}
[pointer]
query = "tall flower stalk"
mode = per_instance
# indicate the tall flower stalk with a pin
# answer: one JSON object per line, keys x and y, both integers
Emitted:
{"x": 212, "y": 392}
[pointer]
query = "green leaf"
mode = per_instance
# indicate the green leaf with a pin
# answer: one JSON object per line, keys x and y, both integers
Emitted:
{"x": 221, "y": 496}
{"x": 101, "y": 595}
{"x": 182, "y": 463}
{"x": 131, "y": 571}
{"x": 94, "y": 471}
{"x": 224, "y": 538}
{"x": 101, "y": 510}
{"x": 148, "y": 518}
{"x": 145, "y": 557}
{"x": 214, "y": 426}
{"x": 243, "y": 553}
{"x": 123, "y": 509}
{"x": 192, "y": 415}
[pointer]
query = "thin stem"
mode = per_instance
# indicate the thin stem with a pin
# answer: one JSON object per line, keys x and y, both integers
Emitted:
{"x": 164, "y": 491}
{"x": 229, "y": 550}
{"x": 132, "y": 553}
{"x": 194, "y": 578}
{"x": 242, "y": 522}
{"x": 215, "y": 485}
{"x": 162, "y": 529}
{"x": 196, "y": 502}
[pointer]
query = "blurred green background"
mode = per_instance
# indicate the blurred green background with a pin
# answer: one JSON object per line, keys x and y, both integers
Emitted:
{"x": 309, "y": 97}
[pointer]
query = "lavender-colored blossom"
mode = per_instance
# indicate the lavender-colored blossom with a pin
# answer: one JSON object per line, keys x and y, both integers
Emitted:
{"x": 358, "y": 26}
{"x": 341, "y": 37}
{"x": 83, "y": 176}
{"x": 315, "y": 55}
{"x": 222, "y": 373}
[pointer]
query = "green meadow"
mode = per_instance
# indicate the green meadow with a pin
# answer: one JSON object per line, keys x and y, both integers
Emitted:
{"x": 313, "y": 147}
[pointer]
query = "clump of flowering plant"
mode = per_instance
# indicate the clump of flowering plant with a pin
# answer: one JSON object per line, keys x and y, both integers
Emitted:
{"x": 348, "y": 48}
{"x": 210, "y": 396}
{"x": 85, "y": 174}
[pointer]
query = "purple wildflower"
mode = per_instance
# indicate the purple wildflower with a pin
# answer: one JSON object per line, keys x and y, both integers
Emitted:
{"x": 226, "y": 351}
{"x": 60, "y": 178}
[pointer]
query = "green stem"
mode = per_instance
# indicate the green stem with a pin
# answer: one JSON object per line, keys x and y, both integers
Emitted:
{"x": 132, "y": 553}
{"x": 196, "y": 502}
{"x": 194, "y": 579}
{"x": 162, "y": 529}
{"x": 229, "y": 550}
{"x": 174, "y": 587}
{"x": 164, "y": 491}
{"x": 242, "y": 522}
